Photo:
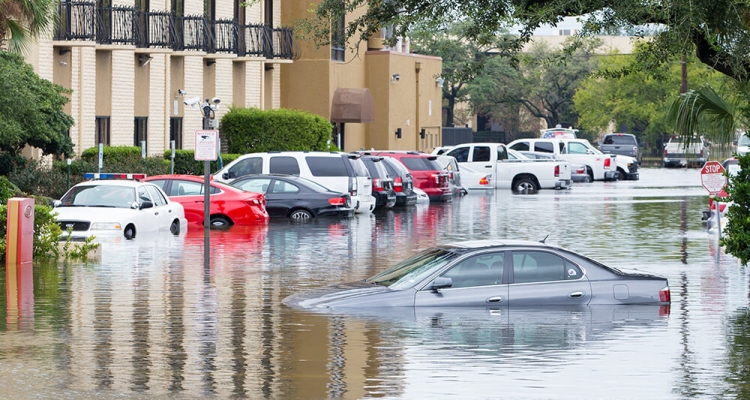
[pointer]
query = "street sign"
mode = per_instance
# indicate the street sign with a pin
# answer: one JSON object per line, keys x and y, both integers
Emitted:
{"x": 206, "y": 145}
{"x": 712, "y": 177}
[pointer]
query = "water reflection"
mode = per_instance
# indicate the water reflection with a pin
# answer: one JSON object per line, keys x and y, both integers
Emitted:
{"x": 150, "y": 320}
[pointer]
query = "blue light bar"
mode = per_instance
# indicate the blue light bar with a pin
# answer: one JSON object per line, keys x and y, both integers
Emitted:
{"x": 94, "y": 175}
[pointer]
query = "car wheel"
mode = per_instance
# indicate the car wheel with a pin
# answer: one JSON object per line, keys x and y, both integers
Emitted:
{"x": 590, "y": 173}
{"x": 300, "y": 215}
{"x": 525, "y": 185}
{"x": 129, "y": 232}
{"x": 220, "y": 222}
{"x": 620, "y": 175}
{"x": 587, "y": 179}
{"x": 175, "y": 228}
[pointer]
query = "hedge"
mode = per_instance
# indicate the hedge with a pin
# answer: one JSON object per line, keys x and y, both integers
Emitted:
{"x": 250, "y": 130}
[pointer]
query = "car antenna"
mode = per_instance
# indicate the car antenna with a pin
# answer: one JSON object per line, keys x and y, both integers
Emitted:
{"x": 543, "y": 240}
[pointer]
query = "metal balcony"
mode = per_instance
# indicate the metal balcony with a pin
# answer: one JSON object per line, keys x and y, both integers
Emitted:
{"x": 223, "y": 38}
{"x": 77, "y": 21}
{"x": 283, "y": 44}
{"x": 251, "y": 40}
{"x": 116, "y": 25}
{"x": 191, "y": 32}
{"x": 155, "y": 29}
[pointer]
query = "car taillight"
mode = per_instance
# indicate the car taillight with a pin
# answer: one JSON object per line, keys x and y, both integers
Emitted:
{"x": 377, "y": 184}
{"x": 337, "y": 201}
{"x": 253, "y": 202}
{"x": 701, "y": 153}
{"x": 398, "y": 184}
{"x": 484, "y": 181}
{"x": 607, "y": 163}
{"x": 450, "y": 175}
{"x": 665, "y": 296}
{"x": 353, "y": 186}
{"x": 581, "y": 170}
{"x": 665, "y": 152}
{"x": 557, "y": 170}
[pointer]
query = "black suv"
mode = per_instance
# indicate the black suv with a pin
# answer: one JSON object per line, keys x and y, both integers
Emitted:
{"x": 403, "y": 183}
{"x": 620, "y": 143}
{"x": 382, "y": 183}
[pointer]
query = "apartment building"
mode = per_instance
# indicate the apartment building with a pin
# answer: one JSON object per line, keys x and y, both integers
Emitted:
{"x": 133, "y": 64}
{"x": 376, "y": 96}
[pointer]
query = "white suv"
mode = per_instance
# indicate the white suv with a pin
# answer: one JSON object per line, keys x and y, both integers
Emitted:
{"x": 341, "y": 172}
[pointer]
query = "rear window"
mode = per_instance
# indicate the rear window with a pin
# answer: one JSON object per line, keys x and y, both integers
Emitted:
{"x": 327, "y": 166}
{"x": 420, "y": 164}
{"x": 619, "y": 139}
{"x": 394, "y": 167}
{"x": 520, "y": 146}
{"x": 372, "y": 167}
{"x": 359, "y": 167}
{"x": 284, "y": 165}
{"x": 544, "y": 147}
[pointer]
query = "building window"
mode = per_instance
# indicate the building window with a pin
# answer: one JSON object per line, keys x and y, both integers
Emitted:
{"x": 141, "y": 131}
{"x": 564, "y": 32}
{"x": 175, "y": 131}
{"x": 337, "y": 38}
{"x": 102, "y": 130}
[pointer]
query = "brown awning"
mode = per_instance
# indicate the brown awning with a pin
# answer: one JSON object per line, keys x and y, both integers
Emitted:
{"x": 352, "y": 105}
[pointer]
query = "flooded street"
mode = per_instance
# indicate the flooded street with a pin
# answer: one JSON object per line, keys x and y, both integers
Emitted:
{"x": 150, "y": 320}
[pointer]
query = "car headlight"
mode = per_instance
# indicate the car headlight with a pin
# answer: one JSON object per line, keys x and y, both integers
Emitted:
{"x": 106, "y": 226}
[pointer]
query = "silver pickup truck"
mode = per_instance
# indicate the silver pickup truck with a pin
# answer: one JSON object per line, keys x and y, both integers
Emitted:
{"x": 679, "y": 153}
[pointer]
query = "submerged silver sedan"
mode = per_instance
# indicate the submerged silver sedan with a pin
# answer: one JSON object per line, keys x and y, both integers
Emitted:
{"x": 492, "y": 273}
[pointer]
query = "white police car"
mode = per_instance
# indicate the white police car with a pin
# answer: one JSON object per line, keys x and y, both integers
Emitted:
{"x": 117, "y": 204}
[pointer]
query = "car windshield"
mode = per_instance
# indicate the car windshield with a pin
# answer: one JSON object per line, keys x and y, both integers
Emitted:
{"x": 744, "y": 141}
{"x": 99, "y": 196}
{"x": 412, "y": 270}
{"x": 619, "y": 139}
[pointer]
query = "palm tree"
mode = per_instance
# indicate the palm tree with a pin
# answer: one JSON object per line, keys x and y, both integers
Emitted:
{"x": 704, "y": 110}
{"x": 23, "y": 20}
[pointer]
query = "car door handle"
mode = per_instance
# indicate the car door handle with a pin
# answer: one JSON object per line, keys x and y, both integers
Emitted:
{"x": 488, "y": 166}
{"x": 496, "y": 299}
{"x": 156, "y": 213}
{"x": 575, "y": 295}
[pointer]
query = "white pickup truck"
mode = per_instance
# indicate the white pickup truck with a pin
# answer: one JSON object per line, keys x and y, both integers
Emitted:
{"x": 511, "y": 170}
{"x": 599, "y": 166}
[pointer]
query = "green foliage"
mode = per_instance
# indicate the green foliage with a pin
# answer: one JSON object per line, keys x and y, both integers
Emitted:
{"x": 46, "y": 231}
{"x": 22, "y": 21}
{"x": 543, "y": 83}
{"x": 716, "y": 31}
{"x": 250, "y": 130}
{"x": 121, "y": 159}
{"x": 8, "y": 189}
{"x": 632, "y": 98}
{"x": 736, "y": 234}
{"x": 185, "y": 163}
{"x": 31, "y": 111}
{"x": 39, "y": 179}
{"x": 77, "y": 250}
{"x": 111, "y": 154}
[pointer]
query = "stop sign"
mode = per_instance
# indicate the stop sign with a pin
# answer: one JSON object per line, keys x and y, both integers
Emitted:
{"x": 712, "y": 177}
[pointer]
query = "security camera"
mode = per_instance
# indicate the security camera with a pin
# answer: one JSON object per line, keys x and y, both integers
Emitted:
{"x": 181, "y": 92}
{"x": 192, "y": 102}
{"x": 397, "y": 77}
{"x": 216, "y": 100}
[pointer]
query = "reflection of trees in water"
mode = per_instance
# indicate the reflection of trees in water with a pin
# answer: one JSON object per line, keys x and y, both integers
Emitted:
{"x": 688, "y": 386}
{"x": 738, "y": 360}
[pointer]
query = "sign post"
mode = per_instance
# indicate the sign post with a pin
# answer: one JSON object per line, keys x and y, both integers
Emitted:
{"x": 714, "y": 180}
{"x": 206, "y": 150}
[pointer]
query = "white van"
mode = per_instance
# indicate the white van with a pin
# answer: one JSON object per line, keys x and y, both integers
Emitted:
{"x": 341, "y": 172}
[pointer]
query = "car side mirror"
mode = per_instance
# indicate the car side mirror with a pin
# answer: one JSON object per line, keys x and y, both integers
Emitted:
{"x": 225, "y": 175}
{"x": 56, "y": 203}
{"x": 146, "y": 204}
{"x": 441, "y": 282}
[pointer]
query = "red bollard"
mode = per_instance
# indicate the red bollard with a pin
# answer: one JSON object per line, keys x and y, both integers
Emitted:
{"x": 19, "y": 243}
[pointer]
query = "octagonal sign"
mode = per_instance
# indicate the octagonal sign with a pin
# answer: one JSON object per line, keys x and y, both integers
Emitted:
{"x": 712, "y": 177}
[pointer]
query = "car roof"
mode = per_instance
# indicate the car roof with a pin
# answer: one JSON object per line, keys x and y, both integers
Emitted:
{"x": 194, "y": 178}
{"x": 479, "y": 244}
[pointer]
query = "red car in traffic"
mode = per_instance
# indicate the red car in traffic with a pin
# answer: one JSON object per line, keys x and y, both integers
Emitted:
{"x": 426, "y": 171}
{"x": 229, "y": 205}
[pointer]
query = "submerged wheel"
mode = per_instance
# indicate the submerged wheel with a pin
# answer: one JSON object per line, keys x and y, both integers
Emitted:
{"x": 300, "y": 215}
{"x": 129, "y": 232}
{"x": 525, "y": 185}
{"x": 220, "y": 222}
{"x": 591, "y": 173}
{"x": 175, "y": 228}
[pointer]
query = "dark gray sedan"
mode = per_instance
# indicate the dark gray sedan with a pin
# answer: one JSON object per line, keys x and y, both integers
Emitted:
{"x": 492, "y": 273}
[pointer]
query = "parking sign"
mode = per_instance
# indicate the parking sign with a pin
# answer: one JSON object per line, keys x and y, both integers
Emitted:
{"x": 206, "y": 145}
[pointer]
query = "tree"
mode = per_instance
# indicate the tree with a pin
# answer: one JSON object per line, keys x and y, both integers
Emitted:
{"x": 461, "y": 58}
{"x": 634, "y": 99}
{"x": 31, "y": 112}
{"x": 23, "y": 20}
{"x": 718, "y": 118}
{"x": 543, "y": 81}
{"x": 717, "y": 31}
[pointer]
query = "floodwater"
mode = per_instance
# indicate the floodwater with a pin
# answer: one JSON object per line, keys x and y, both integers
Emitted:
{"x": 150, "y": 320}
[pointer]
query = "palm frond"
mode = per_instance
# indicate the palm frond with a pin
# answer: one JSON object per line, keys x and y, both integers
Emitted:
{"x": 704, "y": 112}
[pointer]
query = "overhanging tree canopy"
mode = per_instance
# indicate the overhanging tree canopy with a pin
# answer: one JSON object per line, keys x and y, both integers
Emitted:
{"x": 717, "y": 32}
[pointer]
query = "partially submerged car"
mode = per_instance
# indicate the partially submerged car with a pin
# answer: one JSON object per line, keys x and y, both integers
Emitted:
{"x": 492, "y": 273}
{"x": 114, "y": 205}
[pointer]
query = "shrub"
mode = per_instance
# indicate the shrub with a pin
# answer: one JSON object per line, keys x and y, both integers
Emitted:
{"x": 737, "y": 232}
{"x": 38, "y": 179}
{"x": 110, "y": 154}
{"x": 250, "y": 130}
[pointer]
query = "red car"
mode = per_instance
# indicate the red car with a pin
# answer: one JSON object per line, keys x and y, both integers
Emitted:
{"x": 229, "y": 205}
{"x": 426, "y": 171}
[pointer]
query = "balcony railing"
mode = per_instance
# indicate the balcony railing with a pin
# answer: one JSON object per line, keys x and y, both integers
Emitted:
{"x": 83, "y": 20}
{"x": 116, "y": 25}
{"x": 77, "y": 21}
